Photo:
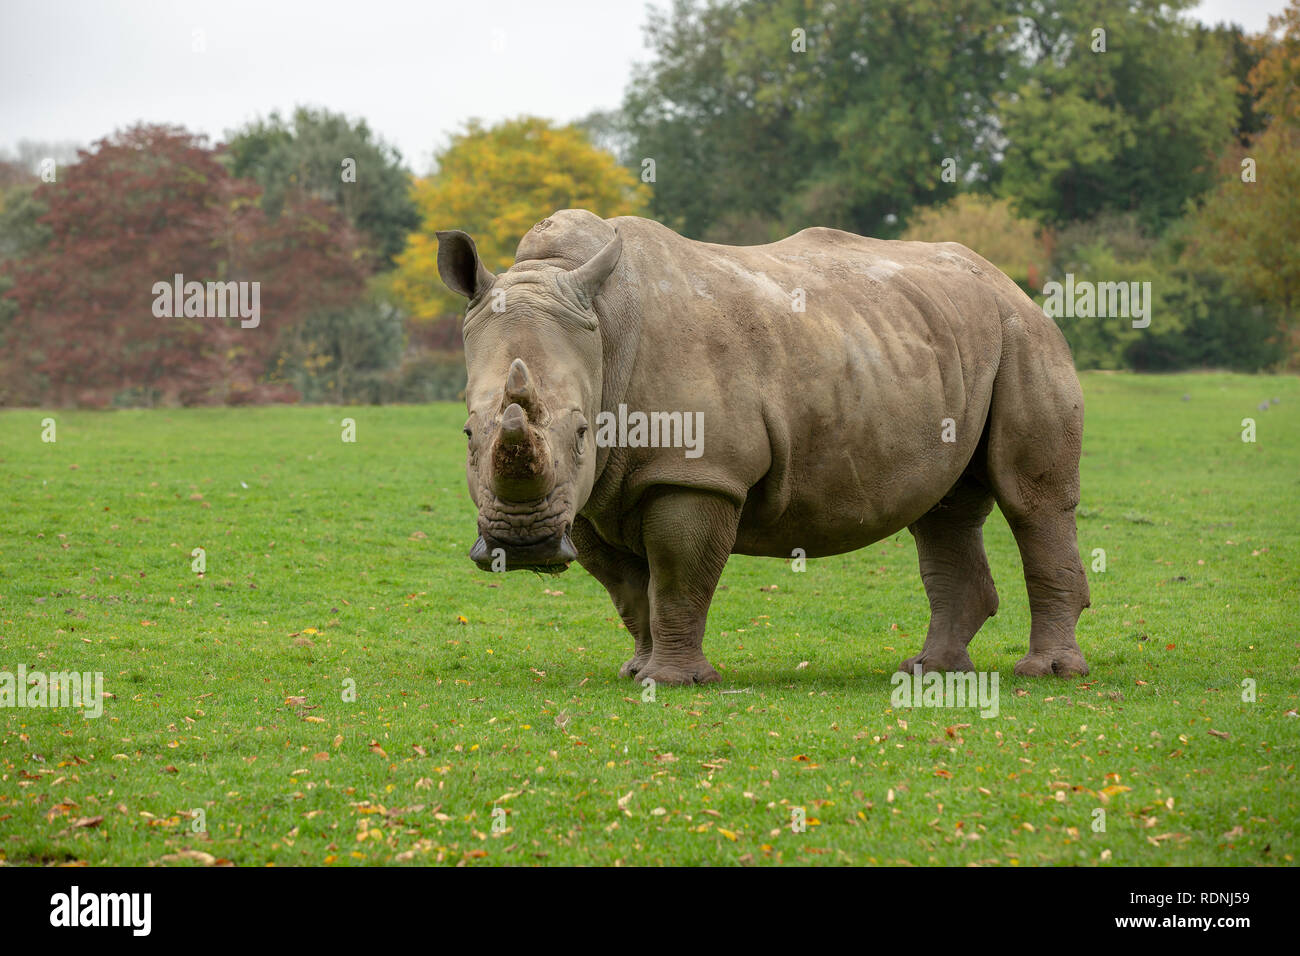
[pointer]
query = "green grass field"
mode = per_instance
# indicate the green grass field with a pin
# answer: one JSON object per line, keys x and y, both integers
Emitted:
{"x": 332, "y": 566}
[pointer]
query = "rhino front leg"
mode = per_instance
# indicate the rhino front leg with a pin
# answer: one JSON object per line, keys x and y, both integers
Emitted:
{"x": 626, "y": 577}
{"x": 688, "y": 537}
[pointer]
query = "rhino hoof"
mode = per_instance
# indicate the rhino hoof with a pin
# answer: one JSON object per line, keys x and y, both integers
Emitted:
{"x": 1063, "y": 662}
{"x": 694, "y": 672}
{"x": 633, "y": 667}
{"x": 957, "y": 662}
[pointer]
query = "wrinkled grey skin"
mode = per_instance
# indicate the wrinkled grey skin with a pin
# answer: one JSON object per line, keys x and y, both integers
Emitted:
{"x": 823, "y": 428}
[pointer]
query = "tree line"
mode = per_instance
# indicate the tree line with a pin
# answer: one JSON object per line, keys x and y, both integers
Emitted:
{"x": 1104, "y": 140}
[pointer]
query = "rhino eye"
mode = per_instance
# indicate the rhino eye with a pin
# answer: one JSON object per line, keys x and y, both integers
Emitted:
{"x": 580, "y": 441}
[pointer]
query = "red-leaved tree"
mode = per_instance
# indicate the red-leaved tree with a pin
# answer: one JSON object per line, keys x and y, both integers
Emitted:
{"x": 137, "y": 209}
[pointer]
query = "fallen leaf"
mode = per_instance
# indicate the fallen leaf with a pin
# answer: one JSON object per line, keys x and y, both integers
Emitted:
{"x": 197, "y": 856}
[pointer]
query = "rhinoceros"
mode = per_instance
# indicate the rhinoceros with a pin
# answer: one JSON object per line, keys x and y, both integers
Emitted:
{"x": 843, "y": 388}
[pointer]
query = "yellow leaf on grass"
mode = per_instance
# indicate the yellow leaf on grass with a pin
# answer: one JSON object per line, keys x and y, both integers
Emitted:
{"x": 196, "y": 856}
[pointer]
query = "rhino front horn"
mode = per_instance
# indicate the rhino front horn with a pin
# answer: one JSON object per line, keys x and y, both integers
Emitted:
{"x": 514, "y": 426}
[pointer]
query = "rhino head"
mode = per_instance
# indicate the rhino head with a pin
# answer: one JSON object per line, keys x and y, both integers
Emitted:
{"x": 533, "y": 354}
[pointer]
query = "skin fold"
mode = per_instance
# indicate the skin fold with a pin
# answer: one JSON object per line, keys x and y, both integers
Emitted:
{"x": 846, "y": 387}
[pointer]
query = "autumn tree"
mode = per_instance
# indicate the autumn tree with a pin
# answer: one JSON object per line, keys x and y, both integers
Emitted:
{"x": 1248, "y": 228}
{"x": 140, "y": 207}
{"x": 495, "y": 183}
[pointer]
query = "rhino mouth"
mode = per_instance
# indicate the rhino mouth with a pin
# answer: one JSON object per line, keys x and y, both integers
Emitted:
{"x": 551, "y": 555}
{"x": 530, "y": 535}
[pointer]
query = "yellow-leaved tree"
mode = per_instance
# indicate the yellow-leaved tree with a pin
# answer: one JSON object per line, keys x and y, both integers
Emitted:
{"x": 989, "y": 227}
{"x": 495, "y": 183}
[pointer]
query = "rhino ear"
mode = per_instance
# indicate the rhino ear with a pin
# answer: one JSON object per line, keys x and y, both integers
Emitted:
{"x": 587, "y": 279}
{"x": 459, "y": 265}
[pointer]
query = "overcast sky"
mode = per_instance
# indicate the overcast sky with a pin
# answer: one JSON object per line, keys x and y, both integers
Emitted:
{"x": 78, "y": 69}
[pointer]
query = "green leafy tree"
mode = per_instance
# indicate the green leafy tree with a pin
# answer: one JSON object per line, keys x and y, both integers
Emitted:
{"x": 1130, "y": 128}
{"x": 1197, "y": 318}
{"x": 344, "y": 353}
{"x": 765, "y": 116}
{"x": 694, "y": 119}
{"x": 1113, "y": 248}
{"x": 329, "y": 157}
{"x": 1240, "y": 53}
{"x": 21, "y": 229}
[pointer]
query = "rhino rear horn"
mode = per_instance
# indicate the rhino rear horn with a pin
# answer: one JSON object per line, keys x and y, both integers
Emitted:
{"x": 460, "y": 267}
{"x": 587, "y": 279}
{"x": 519, "y": 385}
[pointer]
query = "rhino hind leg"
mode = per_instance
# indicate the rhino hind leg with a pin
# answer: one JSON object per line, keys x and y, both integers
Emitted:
{"x": 1035, "y": 439}
{"x": 627, "y": 579}
{"x": 688, "y": 536}
{"x": 1058, "y": 593}
{"x": 955, "y": 571}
